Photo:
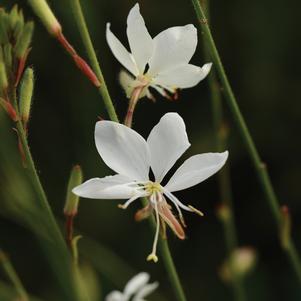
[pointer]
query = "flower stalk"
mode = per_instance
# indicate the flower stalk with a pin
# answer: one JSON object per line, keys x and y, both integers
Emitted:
{"x": 226, "y": 210}
{"x": 71, "y": 204}
{"x": 87, "y": 42}
{"x": 259, "y": 166}
{"x": 43, "y": 11}
{"x": 132, "y": 105}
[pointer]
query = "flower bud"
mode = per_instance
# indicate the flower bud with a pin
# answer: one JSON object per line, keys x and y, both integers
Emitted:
{"x": 4, "y": 26}
{"x": 3, "y": 75}
{"x": 43, "y": 11}
{"x": 13, "y": 16}
{"x": 26, "y": 92}
{"x": 24, "y": 40}
{"x": 76, "y": 178}
{"x": 240, "y": 263}
{"x": 223, "y": 213}
{"x": 7, "y": 56}
{"x": 285, "y": 231}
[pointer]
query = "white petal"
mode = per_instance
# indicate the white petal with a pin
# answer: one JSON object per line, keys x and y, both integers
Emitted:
{"x": 136, "y": 283}
{"x": 120, "y": 52}
{"x": 111, "y": 187}
{"x": 145, "y": 291}
{"x": 115, "y": 296}
{"x": 140, "y": 41}
{"x": 172, "y": 47}
{"x": 167, "y": 142}
{"x": 123, "y": 149}
{"x": 184, "y": 76}
{"x": 195, "y": 170}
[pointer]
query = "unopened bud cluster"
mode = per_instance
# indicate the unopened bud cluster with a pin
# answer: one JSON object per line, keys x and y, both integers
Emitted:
{"x": 15, "y": 40}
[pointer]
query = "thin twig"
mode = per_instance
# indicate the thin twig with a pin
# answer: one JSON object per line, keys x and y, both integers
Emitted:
{"x": 259, "y": 166}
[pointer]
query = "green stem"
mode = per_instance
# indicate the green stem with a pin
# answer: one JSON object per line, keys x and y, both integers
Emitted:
{"x": 259, "y": 166}
{"x": 37, "y": 184}
{"x": 55, "y": 247}
{"x": 221, "y": 137}
{"x": 86, "y": 39}
{"x": 168, "y": 260}
{"x": 13, "y": 277}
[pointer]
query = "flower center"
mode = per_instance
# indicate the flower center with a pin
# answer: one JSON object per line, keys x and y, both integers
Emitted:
{"x": 153, "y": 187}
{"x": 144, "y": 80}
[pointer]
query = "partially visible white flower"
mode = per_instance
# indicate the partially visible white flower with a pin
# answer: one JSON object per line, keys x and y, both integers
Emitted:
{"x": 136, "y": 289}
{"x": 161, "y": 62}
{"x": 131, "y": 156}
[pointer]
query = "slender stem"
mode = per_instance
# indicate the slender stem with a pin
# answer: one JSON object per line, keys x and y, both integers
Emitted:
{"x": 168, "y": 260}
{"x": 86, "y": 39}
{"x": 171, "y": 269}
{"x": 13, "y": 277}
{"x": 259, "y": 166}
{"x": 132, "y": 105}
{"x": 224, "y": 180}
{"x": 37, "y": 184}
{"x": 69, "y": 230}
{"x": 57, "y": 241}
{"x": 79, "y": 16}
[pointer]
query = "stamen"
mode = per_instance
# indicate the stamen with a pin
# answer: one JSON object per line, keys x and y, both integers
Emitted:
{"x": 175, "y": 200}
{"x": 128, "y": 202}
{"x": 200, "y": 213}
{"x": 153, "y": 255}
{"x": 180, "y": 214}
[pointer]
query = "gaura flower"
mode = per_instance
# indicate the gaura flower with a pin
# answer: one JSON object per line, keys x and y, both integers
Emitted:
{"x": 161, "y": 62}
{"x": 131, "y": 157}
{"x": 136, "y": 289}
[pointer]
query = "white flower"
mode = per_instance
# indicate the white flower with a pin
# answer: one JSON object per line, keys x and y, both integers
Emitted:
{"x": 130, "y": 156}
{"x": 161, "y": 62}
{"x": 137, "y": 288}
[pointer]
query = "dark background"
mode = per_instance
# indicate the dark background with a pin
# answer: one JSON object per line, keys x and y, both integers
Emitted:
{"x": 259, "y": 42}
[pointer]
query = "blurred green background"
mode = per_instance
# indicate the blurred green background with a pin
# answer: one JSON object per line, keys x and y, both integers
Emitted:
{"x": 260, "y": 46}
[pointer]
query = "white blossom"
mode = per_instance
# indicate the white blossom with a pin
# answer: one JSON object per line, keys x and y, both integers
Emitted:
{"x": 161, "y": 62}
{"x": 136, "y": 289}
{"x": 131, "y": 157}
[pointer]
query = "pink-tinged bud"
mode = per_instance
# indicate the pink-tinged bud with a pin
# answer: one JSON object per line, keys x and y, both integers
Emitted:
{"x": 71, "y": 204}
{"x": 86, "y": 69}
{"x": 21, "y": 66}
{"x": 9, "y": 109}
{"x": 80, "y": 62}
{"x": 285, "y": 231}
{"x": 43, "y": 11}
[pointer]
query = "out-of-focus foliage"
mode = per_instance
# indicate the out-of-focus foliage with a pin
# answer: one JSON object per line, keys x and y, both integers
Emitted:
{"x": 260, "y": 45}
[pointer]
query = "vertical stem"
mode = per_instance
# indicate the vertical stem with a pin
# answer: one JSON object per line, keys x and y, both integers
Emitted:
{"x": 13, "y": 277}
{"x": 171, "y": 269}
{"x": 84, "y": 32}
{"x": 56, "y": 238}
{"x": 224, "y": 180}
{"x": 259, "y": 166}
{"x": 168, "y": 261}
{"x": 69, "y": 230}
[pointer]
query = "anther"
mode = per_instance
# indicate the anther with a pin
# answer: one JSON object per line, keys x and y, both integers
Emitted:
{"x": 200, "y": 213}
